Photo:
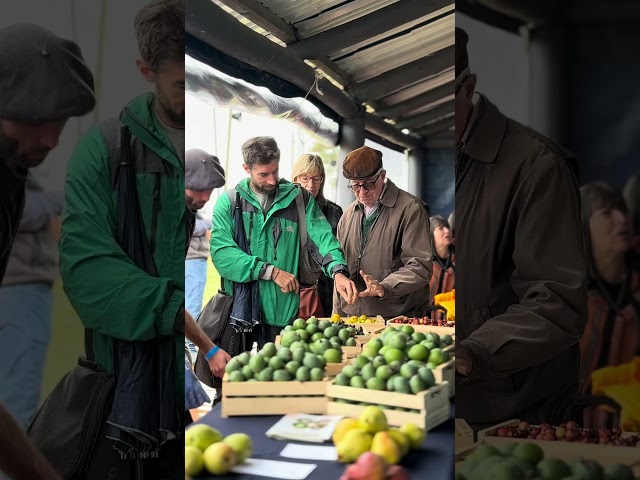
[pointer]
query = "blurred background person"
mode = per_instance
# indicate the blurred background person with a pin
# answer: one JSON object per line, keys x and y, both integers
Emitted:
{"x": 27, "y": 302}
{"x": 308, "y": 171}
{"x": 452, "y": 226}
{"x": 612, "y": 335}
{"x": 632, "y": 199}
{"x": 443, "y": 278}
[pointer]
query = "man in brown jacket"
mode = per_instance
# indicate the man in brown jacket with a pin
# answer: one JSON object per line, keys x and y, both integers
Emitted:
{"x": 385, "y": 237}
{"x": 521, "y": 275}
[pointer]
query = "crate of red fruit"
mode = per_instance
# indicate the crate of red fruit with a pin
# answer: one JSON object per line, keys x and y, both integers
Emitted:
{"x": 425, "y": 324}
{"x": 568, "y": 440}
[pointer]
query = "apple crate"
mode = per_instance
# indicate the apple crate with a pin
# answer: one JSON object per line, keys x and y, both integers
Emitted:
{"x": 272, "y": 398}
{"x": 431, "y": 406}
{"x": 393, "y": 322}
{"x": 464, "y": 435}
{"x": 446, "y": 372}
{"x": 368, "y": 328}
{"x": 604, "y": 454}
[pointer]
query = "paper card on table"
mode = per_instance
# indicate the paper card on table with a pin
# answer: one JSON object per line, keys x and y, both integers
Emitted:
{"x": 310, "y": 452}
{"x": 275, "y": 469}
{"x": 304, "y": 428}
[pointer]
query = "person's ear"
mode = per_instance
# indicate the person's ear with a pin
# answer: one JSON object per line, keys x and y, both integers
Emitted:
{"x": 246, "y": 168}
{"x": 145, "y": 69}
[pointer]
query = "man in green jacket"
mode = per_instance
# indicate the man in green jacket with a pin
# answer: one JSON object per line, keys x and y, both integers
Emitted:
{"x": 112, "y": 296}
{"x": 270, "y": 218}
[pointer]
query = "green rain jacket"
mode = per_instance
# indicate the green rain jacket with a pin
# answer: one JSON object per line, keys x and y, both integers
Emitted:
{"x": 109, "y": 292}
{"x": 274, "y": 239}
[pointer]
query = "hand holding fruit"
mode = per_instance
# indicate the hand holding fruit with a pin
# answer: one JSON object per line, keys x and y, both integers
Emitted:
{"x": 286, "y": 281}
{"x": 218, "y": 363}
{"x": 374, "y": 289}
{"x": 346, "y": 288}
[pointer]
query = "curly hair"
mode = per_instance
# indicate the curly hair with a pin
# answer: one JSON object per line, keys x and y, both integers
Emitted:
{"x": 159, "y": 28}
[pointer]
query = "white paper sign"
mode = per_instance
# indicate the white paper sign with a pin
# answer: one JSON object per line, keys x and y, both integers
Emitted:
{"x": 310, "y": 452}
{"x": 275, "y": 469}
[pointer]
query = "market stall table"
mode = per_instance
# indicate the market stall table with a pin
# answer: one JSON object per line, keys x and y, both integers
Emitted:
{"x": 435, "y": 460}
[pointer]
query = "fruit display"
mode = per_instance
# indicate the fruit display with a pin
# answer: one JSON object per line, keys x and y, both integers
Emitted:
{"x": 569, "y": 432}
{"x": 371, "y": 466}
{"x": 526, "y": 460}
{"x": 205, "y": 449}
{"x": 355, "y": 319}
{"x": 399, "y": 360}
{"x": 370, "y": 432}
{"x": 313, "y": 330}
{"x": 280, "y": 363}
{"x": 422, "y": 321}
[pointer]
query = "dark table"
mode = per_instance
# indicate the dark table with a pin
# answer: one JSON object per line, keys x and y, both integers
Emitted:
{"x": 434, "y": 461}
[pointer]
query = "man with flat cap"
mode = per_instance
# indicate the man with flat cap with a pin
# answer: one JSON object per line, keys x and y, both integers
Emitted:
{"x": 521, "y": 303}
{"x": 203, "y": 173}
{"x": 385, "y": 236}
{"x": 44, "y": 81}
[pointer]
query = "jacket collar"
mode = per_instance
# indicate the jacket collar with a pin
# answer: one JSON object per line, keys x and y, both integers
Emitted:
{"x": 487, "y": 130}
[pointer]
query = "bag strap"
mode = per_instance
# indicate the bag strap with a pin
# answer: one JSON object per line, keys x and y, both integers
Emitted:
{"x": 302, "y": 219}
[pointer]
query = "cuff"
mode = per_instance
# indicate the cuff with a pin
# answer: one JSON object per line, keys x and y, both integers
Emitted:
{"x": 388, "y": 290}
{"x": 266, "y": 271}
{"x": 481, "y": 365}
{"x": 340, "y": 269}
{"x": 171, "y": 312}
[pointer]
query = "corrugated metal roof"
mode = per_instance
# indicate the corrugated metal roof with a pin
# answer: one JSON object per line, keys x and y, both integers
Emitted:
{"x": 382, "y": 52}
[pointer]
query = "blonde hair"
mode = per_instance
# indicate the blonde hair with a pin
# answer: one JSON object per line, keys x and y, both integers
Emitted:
{"x": 304, "y": 165}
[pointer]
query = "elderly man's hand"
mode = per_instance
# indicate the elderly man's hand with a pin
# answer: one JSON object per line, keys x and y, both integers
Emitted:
{"x": 346, "y": 288}
{"x": 374, "y": 289}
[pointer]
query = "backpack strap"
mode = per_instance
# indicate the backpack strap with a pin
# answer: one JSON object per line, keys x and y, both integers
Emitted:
{"x": 302, "y": 218}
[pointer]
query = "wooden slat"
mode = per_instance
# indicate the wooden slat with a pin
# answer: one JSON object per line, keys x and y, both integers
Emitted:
{"x": 239, "y": 406}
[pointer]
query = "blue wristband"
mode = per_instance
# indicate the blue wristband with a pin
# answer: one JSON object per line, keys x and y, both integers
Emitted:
{"x": 212, "y": 352}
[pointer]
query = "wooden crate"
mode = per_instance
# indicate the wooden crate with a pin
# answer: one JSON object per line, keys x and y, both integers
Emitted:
{"x": 424, "y": 328}
{"x": 446, "y": 372}
{"x": 272, "y": 398}
{"x": 464, "y": 435}
{"x": 332, "y": 369}
{"x": 431, "y": 402}
{"x": 604, "y": 454}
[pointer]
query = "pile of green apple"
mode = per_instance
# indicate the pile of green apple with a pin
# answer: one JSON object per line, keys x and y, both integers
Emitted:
{"x": 205, "y": 448}
{"x": 399, "y": 360}
{"x": 519, "y": 461}
{"x": 277, "y": 363}
{"x": 321, "y": 337}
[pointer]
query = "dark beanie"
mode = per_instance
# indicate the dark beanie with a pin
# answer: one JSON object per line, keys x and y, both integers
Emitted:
{"x": 362, "y": 163}
{"x": 462, "y": 58}
{"x": 43, "y": 78}
{"x": 202, "y": 171}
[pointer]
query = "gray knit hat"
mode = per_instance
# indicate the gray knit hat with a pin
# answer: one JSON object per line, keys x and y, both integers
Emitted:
{"x": 202, "y": 171}
{"x": 43, "y": 77}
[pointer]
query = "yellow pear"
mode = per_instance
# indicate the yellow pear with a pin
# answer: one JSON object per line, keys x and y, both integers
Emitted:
{"x": 193, "y": 461}
{"x": 342, "y": 428}
{"x": 219, "y": 458}
{"x": 401, "y": 439}
{"x": 415, "y": 434}
{"x": 386, "y": 447}
{"x": 372, "y": 419}
{"x": 354, "y": 443}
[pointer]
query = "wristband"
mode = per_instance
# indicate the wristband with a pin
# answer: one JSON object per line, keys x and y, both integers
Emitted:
{"x": 276, "y": 275}
{"x": 212, "y": 352}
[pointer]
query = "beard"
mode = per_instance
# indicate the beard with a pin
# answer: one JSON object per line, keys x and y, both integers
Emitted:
{"x": 10, "y": 154}
{"x": 192, "y": 205}
{"x": 178, "y": 119}
{"x": 260, "y": 189}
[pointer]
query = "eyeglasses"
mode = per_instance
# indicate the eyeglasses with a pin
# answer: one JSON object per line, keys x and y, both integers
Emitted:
{"x": 307, "y": 179}
{"x": 367, "y": 185}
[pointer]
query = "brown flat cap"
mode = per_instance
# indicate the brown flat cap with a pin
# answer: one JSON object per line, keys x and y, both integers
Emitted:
{"x": 362, "y": 163}
{"x": 462, "y": 58}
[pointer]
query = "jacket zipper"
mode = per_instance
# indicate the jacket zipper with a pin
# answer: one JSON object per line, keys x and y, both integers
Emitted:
{"x": 156, "y": 209}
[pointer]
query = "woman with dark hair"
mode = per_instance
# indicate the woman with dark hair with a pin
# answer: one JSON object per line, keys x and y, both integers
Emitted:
{"x": 612, "y": 334}
{"x": 308, "y": 171}
{"x": 443, "y": 278}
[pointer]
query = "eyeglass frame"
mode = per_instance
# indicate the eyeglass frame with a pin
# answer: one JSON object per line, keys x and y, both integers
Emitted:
{"x": 362, "y": 185}
{"x": 311, "y": 178}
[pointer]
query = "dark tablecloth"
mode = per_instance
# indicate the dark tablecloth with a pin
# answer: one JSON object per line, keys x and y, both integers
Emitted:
{"x": 434, "y": 461}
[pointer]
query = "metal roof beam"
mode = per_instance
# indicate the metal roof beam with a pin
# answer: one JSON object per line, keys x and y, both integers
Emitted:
{"x": 361, "y": 29}
{"x": 404, "y": 108}
{"x": 439, "y": 126}
{"x": 428, "y": 116}
{"x": 263, "y": 17}
{"x": 405, "y": 75}
{"x": 387, "y": 131}
{"x": 211, "y": 24}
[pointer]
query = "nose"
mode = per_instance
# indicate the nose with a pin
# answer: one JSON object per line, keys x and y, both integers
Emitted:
{"x": 50, "y": 135}
{"x": 618, "y": 216}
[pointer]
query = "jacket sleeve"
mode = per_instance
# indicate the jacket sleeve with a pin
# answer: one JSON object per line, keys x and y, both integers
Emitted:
{"x": 416, "y": 255}
{"x": 107, "y": 290}
{"x": 549, "y": 279}
{"x": 228, "y": 258}
{"x": 321, "y": 234}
